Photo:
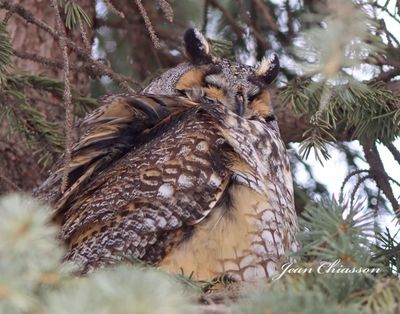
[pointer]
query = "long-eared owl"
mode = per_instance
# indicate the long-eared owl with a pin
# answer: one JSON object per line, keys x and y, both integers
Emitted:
{"x": 190, "y": 175}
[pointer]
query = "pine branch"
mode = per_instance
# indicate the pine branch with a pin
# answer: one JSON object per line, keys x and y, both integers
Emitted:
{"x": 5, "y": 53}
{"x": 355, "y": 110}
{"x": 33, "y": 280}
{"x": 55, "y": 87}
{"x": 167, "y": 10}
{"x": 84, "y": 37}
{"x": 74, "y": 14}
{"x": 266, "y": 14}
{"x": 149, "y": 25}
{"x": 113, "y": 9}
{"x": 69, "y": 115}
{"x": 28, "y": 122}
{"x": 389, "y": 248}
{"x": 45, "y": 61}
{"x": 95, "y": 68}
{"x": 205, "y": 17}
{"x": 236, "y": 27}
{"x": 379, "y": 174}
{"x": 384, "y": 297}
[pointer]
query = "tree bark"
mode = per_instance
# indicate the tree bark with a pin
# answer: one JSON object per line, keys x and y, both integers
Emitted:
{"x": 19, "y": 168}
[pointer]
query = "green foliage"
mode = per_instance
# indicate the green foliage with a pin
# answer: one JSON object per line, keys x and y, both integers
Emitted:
{"x": 121, "y": 290}
{"x": 292, "y": 300}
{"x": 349, "y": 36}
{"x": 368, "y": 110}
{"x": 31, "y": 123}
{"x": 82, "y": 105}
{"x": 389, "y": 249}
{"x": 222, "y": 48}
{"x": 330, "y": 231}
{"x": 29, "y": 254}
{"x": 328, "y": 92}
{"x": 33, "y": 280}
{"x": 328, "y": 45}
{"x": 5, "y": 53}
{"x": 74, "y": 14}
{"x": 317, "y": 138}
{"x": 333, "y": 230}
{"x": 383, "y": 297}
{"x": 28, "y": 122}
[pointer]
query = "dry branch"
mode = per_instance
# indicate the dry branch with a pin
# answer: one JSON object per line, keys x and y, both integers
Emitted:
{"x": 69, "y": 115}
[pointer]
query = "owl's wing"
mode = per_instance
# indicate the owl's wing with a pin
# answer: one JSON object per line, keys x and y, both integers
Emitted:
{"x": 106, "y": 135}
{"x": 150, "y": 199}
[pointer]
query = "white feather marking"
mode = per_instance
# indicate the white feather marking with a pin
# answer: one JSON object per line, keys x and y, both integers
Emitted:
{"x": 258, "y": 249}
{"x": 265, "y": 64}
{"x": 166, "y": 190}
{"x": 203, "y": 40}
{"x": 185, "y": 181}
{"x": 247, "y": 261}
{"x": 215, "y": 180}
{"x": 271, "y": 269}
{"x": 202, "y": 146}
{"x": 267, "y": 236}
{"x": 268, "y": 216}
{"x": 250, "y": 274}
{"x": 230, "y": 266}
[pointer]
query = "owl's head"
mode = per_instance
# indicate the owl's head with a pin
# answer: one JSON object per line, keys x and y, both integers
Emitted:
{"x": 243, "y": 88}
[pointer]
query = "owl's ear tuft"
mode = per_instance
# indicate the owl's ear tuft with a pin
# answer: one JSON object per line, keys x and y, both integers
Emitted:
{"x": 196, "y": 47}
{"x": 268, "y": 69}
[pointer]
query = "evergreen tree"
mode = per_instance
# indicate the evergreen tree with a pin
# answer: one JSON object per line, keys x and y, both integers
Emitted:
{"x": 339, "y": 83}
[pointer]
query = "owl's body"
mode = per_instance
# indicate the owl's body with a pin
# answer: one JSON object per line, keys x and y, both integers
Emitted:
{"x": 191, "y": 176}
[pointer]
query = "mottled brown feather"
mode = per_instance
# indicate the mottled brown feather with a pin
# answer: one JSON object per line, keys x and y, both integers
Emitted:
{"x": 190, "y": 175}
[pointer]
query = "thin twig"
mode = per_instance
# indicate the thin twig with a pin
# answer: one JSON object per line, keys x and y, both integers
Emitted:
{"x": 237, "y": 28}
{"x": 205, "y": 17}
{"x": 289, "y": 23}
{"x": 94, "y": 67}
{"x": 167, "y": 10}
{"x": 69, "y": 115}
{"x": 251, "y": 21}
{"x": 356, "y": 187}
{"x": 45, "y": 61}
{"x": 386, "y": 11}
{"x": 395, "y": 152}
{"x": 379, "y": 174}
{"x": 114, "y": 9}
{"x": 394, "y": 181}
{"x": 85, "y": 68}
{"x": 348, "y": 177}
{"x": 149, "y": 25}
{"x": 267, "y": 16}
{"x": 388, "y": 75}
{"x": 84, "y": 37}
{"x": 10, "y": 183}
{"x": 7, "y": 16}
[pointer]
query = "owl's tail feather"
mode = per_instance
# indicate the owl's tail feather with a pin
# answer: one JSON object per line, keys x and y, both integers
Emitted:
{"x": 106, "y": 135}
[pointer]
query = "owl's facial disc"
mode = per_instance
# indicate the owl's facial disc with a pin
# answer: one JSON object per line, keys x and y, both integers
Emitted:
{"x": 240, "y": 87}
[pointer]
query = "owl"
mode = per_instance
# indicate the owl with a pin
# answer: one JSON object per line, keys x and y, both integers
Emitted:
{"x": 190, "y": 175}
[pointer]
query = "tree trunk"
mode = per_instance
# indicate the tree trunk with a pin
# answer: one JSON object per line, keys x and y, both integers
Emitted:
{"x": 19, "y": 168}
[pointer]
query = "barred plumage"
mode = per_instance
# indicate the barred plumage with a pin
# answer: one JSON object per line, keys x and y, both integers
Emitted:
{"x": 191, "y": 175}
